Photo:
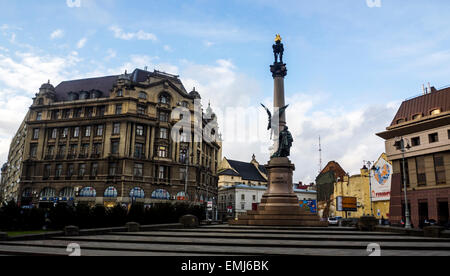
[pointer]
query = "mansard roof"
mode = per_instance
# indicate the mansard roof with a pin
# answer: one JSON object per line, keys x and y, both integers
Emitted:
{"x": 105, "y": 84}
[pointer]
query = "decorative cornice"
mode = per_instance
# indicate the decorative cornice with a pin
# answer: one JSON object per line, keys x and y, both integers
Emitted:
{"x": 278, "y": 70}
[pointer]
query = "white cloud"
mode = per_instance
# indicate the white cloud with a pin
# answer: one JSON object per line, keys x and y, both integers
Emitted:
{"x": 139, "y": 35}
{"x": 167, "y": 48}
{"x": 82, "y": 43}
{"x": 348, "y": 134}
{"x": 111, "y": 54}
{"x": 57, "y": 34}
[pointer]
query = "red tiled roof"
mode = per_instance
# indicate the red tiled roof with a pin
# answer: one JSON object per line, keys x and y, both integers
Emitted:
{"x": 424, "y": 105}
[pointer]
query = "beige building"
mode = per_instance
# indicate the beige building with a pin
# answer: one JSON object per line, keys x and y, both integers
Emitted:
{"x": 424, "y": 124}
{"x": 232, "y": 172}
{"x": 109, "y": 140}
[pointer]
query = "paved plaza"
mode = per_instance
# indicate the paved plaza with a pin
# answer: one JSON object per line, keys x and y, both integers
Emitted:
{"x": 224, "y": 240}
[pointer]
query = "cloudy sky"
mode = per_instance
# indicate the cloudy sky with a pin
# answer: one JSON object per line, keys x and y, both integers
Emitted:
{"x": 351, "y": 63}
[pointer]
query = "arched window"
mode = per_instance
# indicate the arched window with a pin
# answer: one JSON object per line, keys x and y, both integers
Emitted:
{"x": 161, "y": 194}
{"x": 67, "y": 192}
{"x": 182, "y": 196}
{"x": 47, "y": 192}
{"x": 110, "y": 192}
{"x": 164, "y": 99}
{"x": 142, "y": 95}
{"x": 137, "y": 193}
{"x": 88, "y": 192}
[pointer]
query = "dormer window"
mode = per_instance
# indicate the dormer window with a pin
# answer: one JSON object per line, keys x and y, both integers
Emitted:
{"x": 435, "y": 111}
{"x": 84, "y": 95}
{"x": 185, "y": 104}
{"x": 142, "y": 95}
{"x": 120, "y": 93}
{"x": 400, "y": 121}
{"x": 417, "y": 116}
{"x": 40, "y": 101}
{"x": 73, "y": 96}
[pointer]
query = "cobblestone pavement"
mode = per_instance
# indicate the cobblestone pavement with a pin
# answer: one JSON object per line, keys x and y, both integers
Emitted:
{"x": 223, "y": 240}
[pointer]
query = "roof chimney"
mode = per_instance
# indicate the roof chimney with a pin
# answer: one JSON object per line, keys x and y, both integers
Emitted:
{"x": 423, "y": 89}
{"x": 429, "y": 88}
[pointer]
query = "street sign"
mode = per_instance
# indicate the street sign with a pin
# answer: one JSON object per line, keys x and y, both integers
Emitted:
{"x": 209, "y": 205}
{"x": 347, "y": 204}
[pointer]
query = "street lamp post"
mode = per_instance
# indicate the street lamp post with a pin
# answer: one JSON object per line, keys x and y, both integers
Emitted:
{"x": 401, "y": 146}
{"x": 370, "y": 168}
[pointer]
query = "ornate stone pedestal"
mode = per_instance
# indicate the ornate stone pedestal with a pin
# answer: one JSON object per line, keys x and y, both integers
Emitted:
{"x": 280, "y": 205}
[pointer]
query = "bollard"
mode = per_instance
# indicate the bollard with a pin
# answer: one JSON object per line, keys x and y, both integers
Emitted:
{"x": 433, "y": 231}
{"x": 189, "y": 221}
{"x": 133, "y": 226}
{"x": 72, "y": 230}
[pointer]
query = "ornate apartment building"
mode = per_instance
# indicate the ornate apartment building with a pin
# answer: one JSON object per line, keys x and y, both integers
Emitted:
{"x": 11, "y": 171}
{"x": 424, "y": 124}
{"x": 109, "y": 140}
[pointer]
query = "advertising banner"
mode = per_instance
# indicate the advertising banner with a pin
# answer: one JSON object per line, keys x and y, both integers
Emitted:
{"x": 381, "y": 179}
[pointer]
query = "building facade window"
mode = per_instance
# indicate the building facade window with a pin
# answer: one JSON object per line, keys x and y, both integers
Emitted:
{"x": 85, "y": 150}
{"x": 65, "y": 132}
{"x": 139, "y": 150}
{"x": 35, "y": 133}
{"x": 87, "y": 131}
{"x": 54, "y": 134}
{"x": 116, "y": 129}
{"x": 112, "y": 169}
{"x": 33, "y": 150}
{"x": 163, "y": 151}
{"x": 141, "y": 110}
{"x": 434, "y": 137}
{"x": 47, "y": 171}
{"x": 76, "y": 132}
{"x": 89, "y": 112}
{"x": 118, "y": 109}
{"x": 421, "y": 174}
{"x": 66, "y": 113}
{"x": 58, "y": 171}
{"x": 82, "y": 170}
{"x": 101, "y": 110}
{"x": 70, "y": 170}
{"x": 415, "y": 141}
{"x": 139, "y": 130}
{"x": 120, "y": 93}
{"x": 77, "y": 113}
{"x": 439, "y": 169}
{"x": 162, "y": 172}
{"x": 164, "y": 99}
{"x": 138, "y": 169}
{"x": 142, "y": 95}
{"x": 163, "y": 116}
{"x": 94, "y": 169}
{"x": 115, "y": 147}
{"x": 163, "y": 133}
{"x": 99, "y": 130}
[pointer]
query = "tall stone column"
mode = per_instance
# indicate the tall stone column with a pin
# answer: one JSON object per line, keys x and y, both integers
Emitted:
{"x": 279, "y": 205}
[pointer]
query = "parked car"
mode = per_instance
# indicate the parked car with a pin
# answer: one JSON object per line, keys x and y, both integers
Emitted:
{"x": 333, "y": 221}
